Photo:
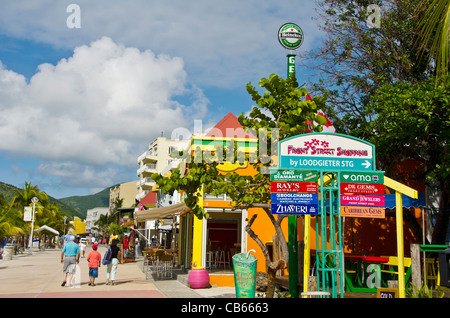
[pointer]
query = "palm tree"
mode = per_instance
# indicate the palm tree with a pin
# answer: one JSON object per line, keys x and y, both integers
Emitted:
{"x": 23, "y": 196}
{"x": 102, "y": 223}
{"x": 435, "y": 25}
{"x": 10, "y": 220}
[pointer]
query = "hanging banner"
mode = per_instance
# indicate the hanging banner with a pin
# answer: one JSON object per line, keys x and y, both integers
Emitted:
{"x": 363, "y": 212}
{"x": 27, "y": 213}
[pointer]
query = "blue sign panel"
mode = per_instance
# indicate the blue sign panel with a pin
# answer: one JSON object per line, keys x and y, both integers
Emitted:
{"x": 295, "y": 198}
{"x": 294, "y": 209}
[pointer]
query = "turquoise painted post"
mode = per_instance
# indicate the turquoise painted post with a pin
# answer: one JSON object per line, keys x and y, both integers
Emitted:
{"x": 292, "y": 220}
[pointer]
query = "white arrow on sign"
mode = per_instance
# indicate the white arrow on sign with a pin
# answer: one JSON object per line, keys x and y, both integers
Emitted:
{"x": 367, "y": 164}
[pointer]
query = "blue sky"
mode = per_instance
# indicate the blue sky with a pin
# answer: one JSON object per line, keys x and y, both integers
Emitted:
{"x": 79, "y": 103}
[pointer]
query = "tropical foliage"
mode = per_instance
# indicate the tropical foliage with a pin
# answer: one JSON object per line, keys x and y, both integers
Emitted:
{"x": 281, "y": 111}
{"x": 388, "y": 84}
{"x": 12, "y": 213}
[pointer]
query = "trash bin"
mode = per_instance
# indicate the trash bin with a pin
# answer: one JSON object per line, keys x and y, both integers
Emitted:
{"x": 8, "y": 252}
{"x": 444, "y": 267}
{"x": 244, "y": 267}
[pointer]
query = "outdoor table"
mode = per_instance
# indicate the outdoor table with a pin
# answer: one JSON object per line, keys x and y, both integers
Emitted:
{"x": 391, "y": 269}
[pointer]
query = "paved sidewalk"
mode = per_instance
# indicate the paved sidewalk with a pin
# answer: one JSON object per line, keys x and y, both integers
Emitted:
{"x": 39, "y": 275}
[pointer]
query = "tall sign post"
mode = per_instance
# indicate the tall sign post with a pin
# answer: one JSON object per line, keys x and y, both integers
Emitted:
{"x": 354, "y": 189}
{"x": 30, "y": 243}
{"x": 290, "y": 37}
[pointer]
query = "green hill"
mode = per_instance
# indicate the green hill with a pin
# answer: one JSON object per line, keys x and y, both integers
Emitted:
{"x": 75, "y": 205}
{"x": 82, "y": 203}
{"x": 7, "y": 191}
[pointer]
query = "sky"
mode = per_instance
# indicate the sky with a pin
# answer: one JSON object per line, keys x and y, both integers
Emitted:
{"x": 86, "y": 86}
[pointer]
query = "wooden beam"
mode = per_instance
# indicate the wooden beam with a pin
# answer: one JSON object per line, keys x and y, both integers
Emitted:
{"x": 398, "y": 187}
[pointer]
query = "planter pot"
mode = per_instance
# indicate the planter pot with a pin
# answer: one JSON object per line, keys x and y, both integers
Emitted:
{"x": 198, "y": 278}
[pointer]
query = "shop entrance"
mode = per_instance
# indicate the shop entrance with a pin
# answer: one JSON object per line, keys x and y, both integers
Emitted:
{"x": 223, "y": 240}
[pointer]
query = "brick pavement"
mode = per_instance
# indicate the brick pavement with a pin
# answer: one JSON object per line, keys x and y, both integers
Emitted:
{"x": 40, "y": 276}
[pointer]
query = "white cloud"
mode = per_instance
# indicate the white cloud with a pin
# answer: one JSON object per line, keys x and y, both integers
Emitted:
{"x": 75, "y": 175}
{"x": 102, "y": 106}
{"x": 224, "y": 43}
{"x": 98, "y": 106}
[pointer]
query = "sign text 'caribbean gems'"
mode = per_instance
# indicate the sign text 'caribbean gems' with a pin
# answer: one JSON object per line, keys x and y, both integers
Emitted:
{"x": 326, "y": 151}
{"x": 363, "y": 212}
{"x": 362, "y": 188}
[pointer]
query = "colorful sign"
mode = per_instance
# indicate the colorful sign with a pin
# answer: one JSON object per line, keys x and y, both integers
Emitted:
{"x": 293, "y": 175}
{"x": 362, "y": 212}
{"x": 294, "y": 209}
{"x": 363, "y": 200}
{"x": 290, "y": 36}
{"x": 362, "y": 188}
{"x": 293, "y": 187}
{"x": 295, "y": 198}
{"x": 326, "y": 151}
{"x": 362, "y": 177}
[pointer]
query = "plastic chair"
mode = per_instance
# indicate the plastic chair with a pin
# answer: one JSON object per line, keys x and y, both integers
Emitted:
{"x": 165, "y": 266}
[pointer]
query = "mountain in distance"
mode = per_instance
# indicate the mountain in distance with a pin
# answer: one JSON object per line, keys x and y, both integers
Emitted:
{"x": 85, "y": 202}
{"x": 7, "y": 191}
{"x": 74, "y": 205}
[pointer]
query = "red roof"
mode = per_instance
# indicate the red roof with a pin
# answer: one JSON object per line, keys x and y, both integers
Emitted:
{"x": 150, "y": 198}
{"x": 229, "y": 126}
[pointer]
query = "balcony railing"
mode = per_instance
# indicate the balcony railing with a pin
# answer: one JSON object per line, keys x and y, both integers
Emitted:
{"x": 151, "y": 167}
{"x": 143, "y": 181}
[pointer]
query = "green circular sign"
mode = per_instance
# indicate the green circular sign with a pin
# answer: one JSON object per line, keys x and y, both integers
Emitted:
{"x": 290, "y": 36}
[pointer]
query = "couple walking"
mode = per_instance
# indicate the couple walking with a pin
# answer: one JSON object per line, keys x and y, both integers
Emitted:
{"x": 70, "y": 257}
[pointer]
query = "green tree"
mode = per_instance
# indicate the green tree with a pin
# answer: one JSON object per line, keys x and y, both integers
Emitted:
{"x": 414, "y": 122}
{"x": 357, "y": 58}
{"x": 281, "y": 111}
{"x": 435, "y": 32}
{"x": 406, "y": 49}
{"x": 10, "y": 220}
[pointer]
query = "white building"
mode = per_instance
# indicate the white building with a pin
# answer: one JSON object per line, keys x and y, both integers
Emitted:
{"x": 163, "y": 155}
{"x": 92, "y": 216}
{"x": 158, "y": 158}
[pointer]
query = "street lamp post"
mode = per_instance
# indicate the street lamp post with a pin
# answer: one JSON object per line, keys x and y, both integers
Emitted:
{"x": 34, "y": 200}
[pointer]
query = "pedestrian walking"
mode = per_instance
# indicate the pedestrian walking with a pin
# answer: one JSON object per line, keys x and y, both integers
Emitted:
{"x": 113, "y": 236}
{"x": 125, "y": 245}
{"x": 83, "y": 246}
{"x": 94, "y": 259}
{"x": 111, "y": 268}
{"x": 70, "y": 257}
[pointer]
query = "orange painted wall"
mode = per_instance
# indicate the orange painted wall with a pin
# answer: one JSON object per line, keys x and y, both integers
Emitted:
{"x": 265, "y": 230}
